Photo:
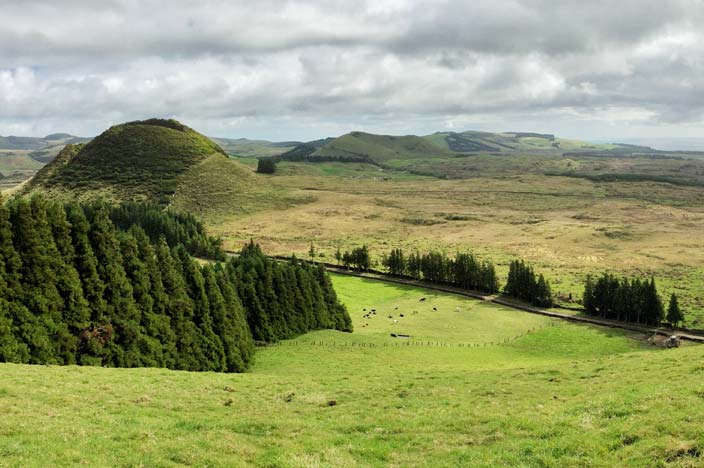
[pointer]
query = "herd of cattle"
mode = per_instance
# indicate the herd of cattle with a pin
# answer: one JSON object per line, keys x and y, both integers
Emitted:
{"x": 372, "y": 313}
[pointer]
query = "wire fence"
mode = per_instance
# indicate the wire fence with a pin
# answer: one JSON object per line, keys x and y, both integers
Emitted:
{"x": 406, "y": 342}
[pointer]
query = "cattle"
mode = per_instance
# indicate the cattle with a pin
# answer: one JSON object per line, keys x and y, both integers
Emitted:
{"x": 400, "y": 315}
{"x": 373, "y": 310}
{"x": 391, "y": 316}
{"x": 421, "y": 299}
{"x": 395, "y": 321}
{"x": 435, "y": 308}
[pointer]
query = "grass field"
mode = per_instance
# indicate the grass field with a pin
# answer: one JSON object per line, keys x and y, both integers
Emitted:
{"x": 555, "y": 394}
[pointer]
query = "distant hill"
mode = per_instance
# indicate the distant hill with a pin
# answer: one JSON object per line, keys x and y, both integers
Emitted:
{"x": 524, "y": 142}
{"x": 367, "y": 147}
{"x": 378, "y": 149}
{"x": 155, "y": 160}
{"x": 246, "y": 148}
{"x": 39, "y": 145}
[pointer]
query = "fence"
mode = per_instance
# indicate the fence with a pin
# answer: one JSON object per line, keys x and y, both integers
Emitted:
{"x": 401, "y": 342}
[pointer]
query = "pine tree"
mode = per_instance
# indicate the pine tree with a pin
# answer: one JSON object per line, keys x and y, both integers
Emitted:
{"x": 121, "y": 311}
{"x": 234, "y": 326}
{"x": 543, "y": 295}
{"x": 181, "y": 310}
{"x": 208, "y": 342}
{"x": 311, "y": 252}
{"x": 338, "y": 255}
{"x": 86, "y": 264}
{"x": 47, "y": 335}
{"x": 10, "y": 261}
{"x": 674, "y": 315}
{"x": 157, "y": 324}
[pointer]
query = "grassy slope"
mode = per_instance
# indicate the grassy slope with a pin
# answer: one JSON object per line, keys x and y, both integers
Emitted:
{"x": 471, "y": 141}
{"x": 217, "y": 189}
{"x": 563, "y": 395}
{"x": 380, "y": 148}
{"x": 17, "y": 160}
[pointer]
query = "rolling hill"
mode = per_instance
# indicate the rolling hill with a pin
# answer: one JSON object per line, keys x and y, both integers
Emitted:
{"x": 367, "y": 147}
{"x": 524, "y": 142}
{"x": 21, "y": 157}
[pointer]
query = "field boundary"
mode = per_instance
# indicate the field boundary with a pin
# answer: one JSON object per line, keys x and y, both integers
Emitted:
{"x": 407, "y": 341}
{"x": 683, "y": 333}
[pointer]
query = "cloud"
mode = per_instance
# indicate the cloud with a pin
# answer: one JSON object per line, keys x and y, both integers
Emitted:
{"x": 306, "y": 68}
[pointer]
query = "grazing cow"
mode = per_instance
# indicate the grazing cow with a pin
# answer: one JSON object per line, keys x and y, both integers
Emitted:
{"x": 364, "y": 310}
{"x": 401, "y": 315}
{"x": 395, "y": 321}
{"x": 421, "y": 299}
{"x": 391, "y": 316}
{"x": 373, "y": 310}
{"x": 396, "y": 308}
{"x": 435, "y": 308}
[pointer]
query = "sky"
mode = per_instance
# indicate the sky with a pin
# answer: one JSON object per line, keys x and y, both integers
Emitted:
{"x": 285, "y": 70}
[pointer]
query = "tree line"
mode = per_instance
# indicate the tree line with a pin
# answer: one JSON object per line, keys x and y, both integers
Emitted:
{"x": 607, "y": 297}
{"x": 77, "y": 289}
{"x": 464, "y": 270}
{"x": 627, "y": 300}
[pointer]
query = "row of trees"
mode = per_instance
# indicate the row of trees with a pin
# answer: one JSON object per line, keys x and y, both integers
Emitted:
{"x": 464, "y": 270}
{"x": 522, "y": 283}
{"x": 634, "y": 300}
{"x": 358, "y": 258}
{"x": 75, "y": 289}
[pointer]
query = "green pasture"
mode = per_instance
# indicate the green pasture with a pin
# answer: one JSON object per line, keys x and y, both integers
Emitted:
{"x": 559, "y": 395}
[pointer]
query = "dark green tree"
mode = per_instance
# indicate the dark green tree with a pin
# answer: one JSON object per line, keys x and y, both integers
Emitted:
{"x": 674, "y": 314}
{"x": 121, "y": 311}
{"x": 266, "y": 165}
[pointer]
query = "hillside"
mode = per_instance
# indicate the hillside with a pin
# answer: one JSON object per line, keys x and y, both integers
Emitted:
{"x": 524, "y": 142}
{"x": 143, "y": 160}
{"x": 439, "y": 149}
{"x": 367, "y": 147}
{"x": 22, "y": 157}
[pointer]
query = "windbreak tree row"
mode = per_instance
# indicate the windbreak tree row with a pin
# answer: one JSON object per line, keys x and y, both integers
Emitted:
{"x": 464, "y": 270}
{"x": 634, "y": 300}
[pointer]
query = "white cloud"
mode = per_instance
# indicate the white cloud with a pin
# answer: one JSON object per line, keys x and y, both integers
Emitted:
{"x": 306, "y": 69}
